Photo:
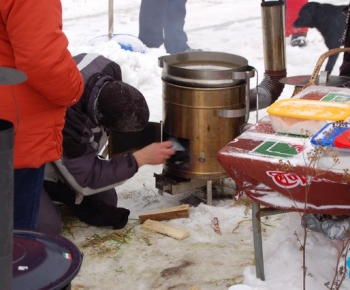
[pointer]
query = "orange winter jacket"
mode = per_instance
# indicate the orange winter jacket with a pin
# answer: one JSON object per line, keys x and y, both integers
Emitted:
{"x": 32, "y": 41}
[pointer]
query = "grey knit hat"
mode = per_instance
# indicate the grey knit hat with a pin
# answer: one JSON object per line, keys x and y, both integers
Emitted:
{"x": 121, "y": 107}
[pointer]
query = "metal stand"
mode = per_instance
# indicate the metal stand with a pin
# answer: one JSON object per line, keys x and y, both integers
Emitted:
{"x": 257, "y": 213}
{"x": 258, "y": 250}
{"x": 175, "y": 185}
{"x": 209, "y": 192}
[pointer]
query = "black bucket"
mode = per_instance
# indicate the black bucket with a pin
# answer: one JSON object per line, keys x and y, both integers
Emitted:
{"x": 6, "y": 202}
{"x": 43, "y": 261}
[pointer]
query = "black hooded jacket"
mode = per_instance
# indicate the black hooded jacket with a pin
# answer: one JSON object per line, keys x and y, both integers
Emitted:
{"x": 81, "y": 166}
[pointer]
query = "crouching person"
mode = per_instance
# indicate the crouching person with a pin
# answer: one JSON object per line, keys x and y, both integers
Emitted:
{"x": 82, "y": 179}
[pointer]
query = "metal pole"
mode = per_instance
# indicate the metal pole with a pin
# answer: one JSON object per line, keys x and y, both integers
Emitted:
{"x": 209, "y": 192}
{"x": 258, "y": 250}
{"x": 110, "y": 19}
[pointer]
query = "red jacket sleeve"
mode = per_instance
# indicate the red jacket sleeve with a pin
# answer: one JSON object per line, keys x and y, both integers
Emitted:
{"x": 40, "y": 49}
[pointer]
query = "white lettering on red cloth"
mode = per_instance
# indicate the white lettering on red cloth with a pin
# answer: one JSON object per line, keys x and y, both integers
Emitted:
{"x": 291, "y": 180}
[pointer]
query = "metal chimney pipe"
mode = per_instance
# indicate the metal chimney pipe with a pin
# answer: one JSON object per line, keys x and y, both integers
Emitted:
{"x": 273, "y": 26}
{"x": 8, "y": 76}
{"x": 6, "y": 202}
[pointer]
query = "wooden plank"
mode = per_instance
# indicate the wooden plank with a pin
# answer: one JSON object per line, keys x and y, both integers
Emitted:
{"x": 169, "y": 213}
{"x": 168, "y": 230}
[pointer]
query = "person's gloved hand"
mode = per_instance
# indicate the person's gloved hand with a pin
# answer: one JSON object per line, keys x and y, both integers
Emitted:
{"x": 155, "y": 153}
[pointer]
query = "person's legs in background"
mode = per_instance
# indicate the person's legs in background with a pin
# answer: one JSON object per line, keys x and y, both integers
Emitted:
{"x": 175, "y": 37}
{"x": 28, "y": 184}
{"x": 151, "y": 22}
{"x": 298, "y": 35}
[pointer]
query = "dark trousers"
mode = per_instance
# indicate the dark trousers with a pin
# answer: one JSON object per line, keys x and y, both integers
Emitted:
{"x": 49, "y": 217}
{"x": 28, "y": 184}
{"x": 163, "y": 21}
{"x": 99, "y": 209}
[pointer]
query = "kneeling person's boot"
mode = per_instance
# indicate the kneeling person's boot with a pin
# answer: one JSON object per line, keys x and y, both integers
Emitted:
{"x": 102, "y": 215}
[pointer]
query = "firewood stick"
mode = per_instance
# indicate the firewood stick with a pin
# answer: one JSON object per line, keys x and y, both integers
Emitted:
{"x": 171, "y": 231}
{"x": 169, "y": 213}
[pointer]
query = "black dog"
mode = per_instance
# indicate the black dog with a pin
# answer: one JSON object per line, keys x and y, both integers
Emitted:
{"x": 329, "y": 20}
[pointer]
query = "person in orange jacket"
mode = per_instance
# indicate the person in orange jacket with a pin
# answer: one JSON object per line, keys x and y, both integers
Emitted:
{"x": 298, "y": 35}
{"x": 32, "y": 41}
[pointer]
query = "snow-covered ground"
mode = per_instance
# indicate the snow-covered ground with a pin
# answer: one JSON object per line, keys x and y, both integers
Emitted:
{"x": 205, "y": 260}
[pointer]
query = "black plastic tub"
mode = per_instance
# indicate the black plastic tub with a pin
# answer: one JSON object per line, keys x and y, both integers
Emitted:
{"x": 43, "y": 261}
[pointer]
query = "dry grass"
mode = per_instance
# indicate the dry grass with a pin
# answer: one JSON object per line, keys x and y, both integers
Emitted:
{"x": 100, "y": 244}
{"x": 116, "y": 238}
